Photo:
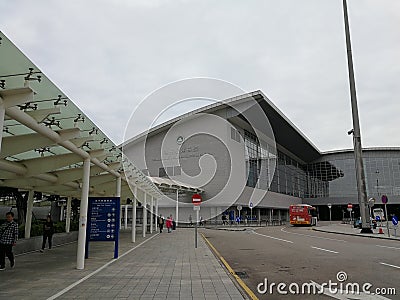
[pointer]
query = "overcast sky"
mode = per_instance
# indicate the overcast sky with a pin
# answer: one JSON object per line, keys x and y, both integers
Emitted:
{"x": 108, "y": 55}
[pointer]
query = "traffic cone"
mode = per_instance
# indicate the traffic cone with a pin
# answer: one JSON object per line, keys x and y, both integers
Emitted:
{"x": 380, "y": 230}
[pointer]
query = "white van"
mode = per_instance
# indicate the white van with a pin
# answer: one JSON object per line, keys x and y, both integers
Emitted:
{"x": 379, "y": 212}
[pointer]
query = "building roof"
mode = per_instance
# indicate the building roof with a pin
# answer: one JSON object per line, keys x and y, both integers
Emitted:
{"x": 287, "y": 135}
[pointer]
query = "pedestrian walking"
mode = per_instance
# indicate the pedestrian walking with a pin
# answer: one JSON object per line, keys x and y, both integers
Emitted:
{"x": 48, "y": 231}
{"x": 161, "y": 223}
{"x": 223, "y": 219}
{"x": 168, "y": 223}
{"x": 173, "y": 223}
{"x": 8, "y": 239}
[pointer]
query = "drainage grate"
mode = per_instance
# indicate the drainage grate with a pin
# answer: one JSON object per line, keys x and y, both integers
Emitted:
{"x": 242, "y": 275}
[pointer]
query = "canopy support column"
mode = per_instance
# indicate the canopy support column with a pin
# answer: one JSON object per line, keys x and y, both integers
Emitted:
{"x": 156, "y": 215}
{"x": 134, "y": 204}
{"x": 144, "y": 215}
{"x": 151, "y": 214}
{"x": 28, "y": 220}
{"x": 118, "y": 194}
{"x": 80, "y": 256}
{"x": 2, "y": 113}
{"x": 126, "y": 217}
{"x": 68, "y": 215}
{"x": 177, "y": 207}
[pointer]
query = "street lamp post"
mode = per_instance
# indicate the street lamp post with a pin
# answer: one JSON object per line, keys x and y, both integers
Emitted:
{"x": 362, "y": 191}
{"x": 377, "y": 182}
{"x": 330, "y": 212}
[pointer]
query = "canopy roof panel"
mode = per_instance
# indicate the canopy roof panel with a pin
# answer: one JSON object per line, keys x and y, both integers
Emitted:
{"x": 46, "y": 136}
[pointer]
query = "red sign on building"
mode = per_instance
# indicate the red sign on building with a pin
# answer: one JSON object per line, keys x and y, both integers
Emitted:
{"x": 196, "y": 199}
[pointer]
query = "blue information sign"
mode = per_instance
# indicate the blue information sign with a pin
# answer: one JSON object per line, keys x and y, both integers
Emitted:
{"x": 395, "y": 220}
{"x": 103, "y": 221}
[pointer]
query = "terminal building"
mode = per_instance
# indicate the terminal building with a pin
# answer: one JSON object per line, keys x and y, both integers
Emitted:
{"x": 287, "y": 165}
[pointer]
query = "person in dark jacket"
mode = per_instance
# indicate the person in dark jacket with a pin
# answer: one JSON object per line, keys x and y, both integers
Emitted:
{"x": 48, "y": 230}
{"x": 8, "y": 239}
{"x": 161, "y": 223}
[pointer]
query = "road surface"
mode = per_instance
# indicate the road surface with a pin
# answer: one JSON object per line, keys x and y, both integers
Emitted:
{"x": 297, "y": 255}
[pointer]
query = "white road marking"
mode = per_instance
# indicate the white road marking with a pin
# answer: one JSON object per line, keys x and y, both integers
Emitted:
{"x": 322, "y": 249}
{"x": 388, "y": 247}
{"x": 313, "y": 236}
{"x": 60, "y": 293}
{"x": 393, "y": 266}
{"x": 272, "y": 237}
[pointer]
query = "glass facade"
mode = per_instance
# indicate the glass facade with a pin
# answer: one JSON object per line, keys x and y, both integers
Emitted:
{"x": 382, "y": 173}
{"x": 333, "y": 175}
{"x": 290, "y": 177}
{"x": 260, "y": 162}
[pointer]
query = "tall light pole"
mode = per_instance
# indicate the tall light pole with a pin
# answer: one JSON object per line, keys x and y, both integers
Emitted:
{"x": 377, "y": 182}
{"x": 362, "y": 191}
{"x": 330, "y": 212}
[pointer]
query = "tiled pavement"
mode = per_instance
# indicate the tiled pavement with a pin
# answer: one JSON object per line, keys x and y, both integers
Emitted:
{"x": 166, "y": 266}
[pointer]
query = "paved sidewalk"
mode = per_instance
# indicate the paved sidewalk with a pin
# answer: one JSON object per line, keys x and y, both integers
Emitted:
{"x": 348, "y": 229}
{"x": 166, "y": 266}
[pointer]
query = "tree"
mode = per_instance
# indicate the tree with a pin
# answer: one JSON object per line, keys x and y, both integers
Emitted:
{"x": 21, "y": 199}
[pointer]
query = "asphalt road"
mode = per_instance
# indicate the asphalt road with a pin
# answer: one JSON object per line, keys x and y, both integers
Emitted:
{"x": 300, "y": 255}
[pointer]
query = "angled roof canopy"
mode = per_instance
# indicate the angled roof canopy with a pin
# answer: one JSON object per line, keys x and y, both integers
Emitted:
{"x": 169, "y": 184}
{"x": 46, "y": 136}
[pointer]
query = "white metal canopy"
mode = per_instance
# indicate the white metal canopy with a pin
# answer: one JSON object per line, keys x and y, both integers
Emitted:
{"x": 46, "y": 137}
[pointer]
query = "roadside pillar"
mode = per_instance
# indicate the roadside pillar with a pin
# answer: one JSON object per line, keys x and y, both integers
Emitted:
{"x": 28, "y": 219}
{"x": 80, "y": 256}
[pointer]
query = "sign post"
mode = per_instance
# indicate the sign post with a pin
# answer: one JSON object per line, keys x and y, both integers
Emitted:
{"x": 395, "y": 222}
{"x": 350, "y": 209}
{"x": 103, "y": 221}
{"x": 196, "y": 200}
{"x": 239, "y": 208}
{"x": 385, "y": 200}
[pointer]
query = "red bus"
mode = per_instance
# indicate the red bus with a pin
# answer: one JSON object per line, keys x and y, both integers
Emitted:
{"x": 303, "y": 214}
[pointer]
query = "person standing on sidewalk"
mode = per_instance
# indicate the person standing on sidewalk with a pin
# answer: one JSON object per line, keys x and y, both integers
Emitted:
{"x": 8, "y": 239}
{"x": 161, "y": 223}
{"x": 168, "y": 223}
{"x": 48, "y": 230}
